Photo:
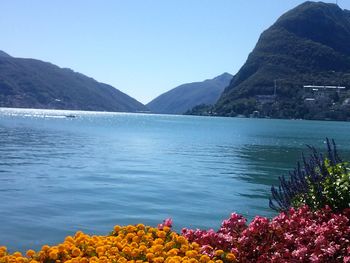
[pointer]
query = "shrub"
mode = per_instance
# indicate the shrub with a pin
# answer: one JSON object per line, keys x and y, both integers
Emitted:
{"x": 298, "y": 235}
{"x": 321, "y": 181}
{"x": 337, "y": 187}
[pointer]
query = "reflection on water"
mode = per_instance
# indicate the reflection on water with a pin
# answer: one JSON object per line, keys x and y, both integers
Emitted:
{"x": 59, "y": 175}
{"x": 267, "y": 162}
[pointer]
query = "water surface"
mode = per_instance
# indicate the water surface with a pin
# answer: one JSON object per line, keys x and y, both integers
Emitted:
{"x": 59, "y": 175}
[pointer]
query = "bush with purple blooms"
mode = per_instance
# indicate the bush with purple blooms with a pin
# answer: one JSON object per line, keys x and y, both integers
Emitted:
{"x": 320, "y": 181}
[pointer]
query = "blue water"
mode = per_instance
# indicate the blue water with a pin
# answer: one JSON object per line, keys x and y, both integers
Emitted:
{"x": 59, "y": 175}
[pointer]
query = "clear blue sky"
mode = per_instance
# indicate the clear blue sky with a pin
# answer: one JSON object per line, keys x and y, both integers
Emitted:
{"x": 142, "y": 47}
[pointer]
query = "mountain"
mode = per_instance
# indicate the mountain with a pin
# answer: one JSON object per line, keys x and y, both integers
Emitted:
{"x": 186, "y": 96}
{"x": 30, "y": 83}
{"x": 308, "y": 45}
{"x": 3, "y": 54}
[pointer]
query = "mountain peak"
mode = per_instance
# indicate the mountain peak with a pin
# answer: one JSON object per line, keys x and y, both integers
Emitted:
{"x": 311, "y": 7}
{"x": 186, "y": 96}
{"x": 318, "y": 21}
{"x": 308, "y": 44}
{"x": 313, "y": 10}
{"x": 224, "y": 77}
{"x": 4, "y": 54}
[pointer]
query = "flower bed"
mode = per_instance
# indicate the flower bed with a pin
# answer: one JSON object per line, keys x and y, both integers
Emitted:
{"x": 299, "y": 235}
{"x": 133, "y": 244}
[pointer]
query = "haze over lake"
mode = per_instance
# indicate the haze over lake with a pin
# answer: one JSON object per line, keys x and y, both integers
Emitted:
{"x": 59, "y": 175}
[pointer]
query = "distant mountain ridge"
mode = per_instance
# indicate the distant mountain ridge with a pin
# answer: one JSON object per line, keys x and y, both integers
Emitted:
{"x": 309, "y": 44}
{"x": 30, "y": 83}
{"x": 186, "y": 96}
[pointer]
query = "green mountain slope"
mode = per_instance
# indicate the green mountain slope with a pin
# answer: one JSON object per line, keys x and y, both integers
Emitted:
{"x": 309, "y": 45}
{"x": 30, "y": 83}
{"x": 186, "y": 96}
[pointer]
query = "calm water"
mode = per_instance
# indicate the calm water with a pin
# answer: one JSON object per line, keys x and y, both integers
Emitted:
{"x": 59, "y": 175}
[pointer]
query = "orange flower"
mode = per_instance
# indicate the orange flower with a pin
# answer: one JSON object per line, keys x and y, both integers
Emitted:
{"x": 3, "y": 251}
{"x": 173, "y": 252}
{"x": 157, "y": 248}
{"x": 158, "y": 241}
{"x": 191, "y": 253}
{"x": 116, "y": 228}
{"x": 100, "y": 250}
{"x": 181, "y": 240}
{"x": 161, "y": 234}
{"x": 17, "y": 254}
{"x": 158, "y": 260}
{"x": 149, "y": 256}
{"x": 230, "y": 257}
{"x": 166, "y": 229}
{"x": 30, "y": 253}
{"x": 184, "y": 248}
{"x": 204, "y": 259}
{"x": 219, "y": 252}
{"x": 76, "y": 252}
{"x": 135, "y": 253}
{"x": 45, "y": 248}
{"x": 69, "y": 239}
{"x": 140, "y": 233}
{"x": 127, "y": 250}
{"x": 131, "y": 228}
{"x": 61, "y": 248}
{"x": 53, "y": 254}
{"x": 20, "y": 260}
{"x": 140, "y": 226}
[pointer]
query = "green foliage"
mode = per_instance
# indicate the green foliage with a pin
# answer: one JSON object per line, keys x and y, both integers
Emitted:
{"x": 202, "y": 110}
{"x": 335, "y": 189}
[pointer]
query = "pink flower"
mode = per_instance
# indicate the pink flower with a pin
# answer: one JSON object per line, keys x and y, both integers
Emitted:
{"x": 166, "y": 222}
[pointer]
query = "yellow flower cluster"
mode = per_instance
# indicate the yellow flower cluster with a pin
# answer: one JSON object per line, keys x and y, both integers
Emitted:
{"x": 129, "y": 244}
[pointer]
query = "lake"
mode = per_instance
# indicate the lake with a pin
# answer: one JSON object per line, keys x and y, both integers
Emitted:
{"x": 59, "y": 175}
